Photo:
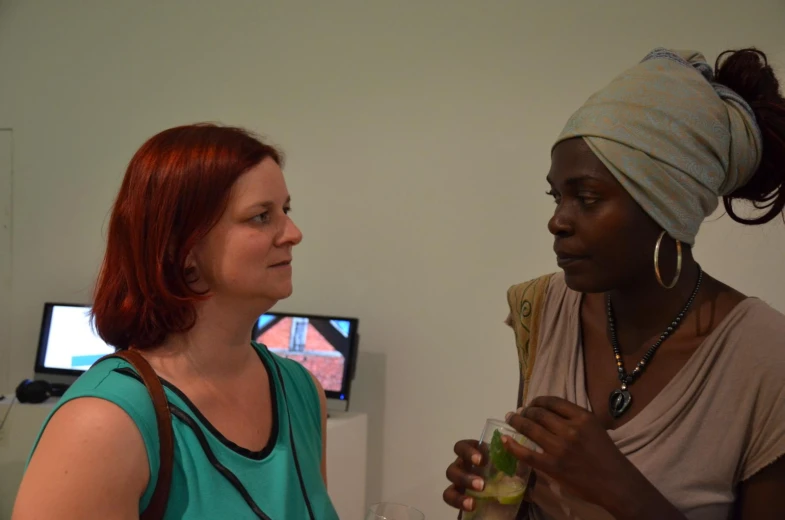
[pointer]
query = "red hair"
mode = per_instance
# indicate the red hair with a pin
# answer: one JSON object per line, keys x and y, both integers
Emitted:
{"x": 175, "y": 190}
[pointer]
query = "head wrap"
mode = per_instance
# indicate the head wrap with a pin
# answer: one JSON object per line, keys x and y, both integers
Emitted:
{"x": 674, "y": 139}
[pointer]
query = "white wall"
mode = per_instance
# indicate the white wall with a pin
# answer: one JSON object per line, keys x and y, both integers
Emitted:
{"x": 6, "y": 226}
{"x": 418, "y": 136}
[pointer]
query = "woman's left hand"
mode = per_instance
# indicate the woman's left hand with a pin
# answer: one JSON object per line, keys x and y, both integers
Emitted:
{"x": 579, "y": 454}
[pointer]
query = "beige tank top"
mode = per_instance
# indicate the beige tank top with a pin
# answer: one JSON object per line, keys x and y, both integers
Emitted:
{"x": 718, "y": 422}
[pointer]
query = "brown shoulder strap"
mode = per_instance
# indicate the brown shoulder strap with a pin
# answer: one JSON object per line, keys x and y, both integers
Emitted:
{"x": 157, "y": 506}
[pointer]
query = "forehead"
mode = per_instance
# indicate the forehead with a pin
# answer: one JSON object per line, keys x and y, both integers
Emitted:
{"x": 573, "y": 160}
{"x": 263, "y": 182}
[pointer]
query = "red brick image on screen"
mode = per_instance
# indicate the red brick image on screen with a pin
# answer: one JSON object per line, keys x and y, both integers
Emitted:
{"x": 313, "y": 343}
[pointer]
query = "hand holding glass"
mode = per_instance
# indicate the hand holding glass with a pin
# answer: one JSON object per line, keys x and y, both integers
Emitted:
{"x": 505, "y": 477}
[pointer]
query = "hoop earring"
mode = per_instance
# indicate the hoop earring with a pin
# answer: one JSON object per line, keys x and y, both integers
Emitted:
{"x": 657, "y": 263}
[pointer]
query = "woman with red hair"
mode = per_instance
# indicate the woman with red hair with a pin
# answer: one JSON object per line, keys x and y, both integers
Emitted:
{"x": 199, "y": 246}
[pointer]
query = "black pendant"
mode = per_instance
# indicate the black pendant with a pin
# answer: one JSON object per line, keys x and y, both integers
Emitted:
{"x": 619, "y": 402}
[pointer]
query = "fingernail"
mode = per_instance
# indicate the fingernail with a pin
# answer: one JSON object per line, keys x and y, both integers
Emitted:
{"x": 478, "y": 484}
{"x": 505, "y": 439}
{"x": 468, "y": 503}
{"x": 507, "y": 417}
{"x": 476, "y": 459}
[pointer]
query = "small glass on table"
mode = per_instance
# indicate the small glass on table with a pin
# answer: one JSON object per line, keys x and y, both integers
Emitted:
{"x": 392, "y": 511}
{"x": 505, "y": 477}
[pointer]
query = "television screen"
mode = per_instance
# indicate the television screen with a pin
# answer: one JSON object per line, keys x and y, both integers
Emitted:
{"x": 325, "y": 345}
{"x": 68, "y": 343}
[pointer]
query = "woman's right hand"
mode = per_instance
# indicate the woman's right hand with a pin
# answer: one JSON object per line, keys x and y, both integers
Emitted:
{"x": 459, "y": 473}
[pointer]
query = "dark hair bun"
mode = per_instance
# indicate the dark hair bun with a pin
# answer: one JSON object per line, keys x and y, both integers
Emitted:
{"x": 748, "y": 73}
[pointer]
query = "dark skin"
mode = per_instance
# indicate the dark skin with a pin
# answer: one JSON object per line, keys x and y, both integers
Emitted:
{"x": 611, "y": 242}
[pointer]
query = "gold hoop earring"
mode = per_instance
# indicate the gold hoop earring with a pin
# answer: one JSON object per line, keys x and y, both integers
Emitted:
{"x": 657, "y": 263}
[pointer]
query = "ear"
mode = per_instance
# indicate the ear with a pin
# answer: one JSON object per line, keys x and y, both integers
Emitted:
{"x": 190, "y": 271}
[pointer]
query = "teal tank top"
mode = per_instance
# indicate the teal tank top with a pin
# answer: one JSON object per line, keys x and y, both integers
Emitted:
{"x": 269, "y": 480}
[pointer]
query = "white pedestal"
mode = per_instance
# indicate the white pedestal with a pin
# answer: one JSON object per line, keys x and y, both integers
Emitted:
{"x": 347, "y": 446}
{"x": 347, "y": 454}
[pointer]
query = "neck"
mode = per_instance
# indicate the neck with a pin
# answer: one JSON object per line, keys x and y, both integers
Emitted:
{"x": 648, "y": 307}
{"x": 217, "y": 347}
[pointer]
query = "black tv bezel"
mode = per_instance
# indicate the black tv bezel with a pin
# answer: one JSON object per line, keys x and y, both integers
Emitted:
{"x": 351, "y": 361}
{"x": 43, "y": 337}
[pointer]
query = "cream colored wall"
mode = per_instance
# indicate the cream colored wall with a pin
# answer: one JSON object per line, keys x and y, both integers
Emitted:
{"x": 418, "y": 136}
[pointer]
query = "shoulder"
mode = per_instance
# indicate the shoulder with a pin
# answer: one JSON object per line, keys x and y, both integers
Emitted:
{"x": 752, "y": 346}
{"x": 111, "y": 392}
{"x": 319, "y": 388}
{"x": 549, "y": 291}
{"x": 542, "y": 283}
{"x": 301, "y": 389}
{"x": 99, "y": 445}
{"x": 759, "y": 330}
{"x": 754, "y": 341}
{"x": 757, "y": 313}
{"x": 755, "y": 345}
{"x": 93, "y": 427}
{"x": 112, "y": 381}
{"x": 96, "y": 423}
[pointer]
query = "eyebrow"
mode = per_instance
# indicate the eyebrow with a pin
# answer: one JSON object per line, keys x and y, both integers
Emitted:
{"x": 578, "y": 179}
{"x": 268, "y": 203}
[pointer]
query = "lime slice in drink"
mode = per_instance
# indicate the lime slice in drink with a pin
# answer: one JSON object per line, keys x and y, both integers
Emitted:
{"x": 505, "y": 490}
{"x": 509, "y": 491}
{"x": 488, "y": 492}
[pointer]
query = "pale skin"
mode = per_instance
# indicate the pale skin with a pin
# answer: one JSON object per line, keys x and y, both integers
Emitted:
{"x": 91, "y": 461}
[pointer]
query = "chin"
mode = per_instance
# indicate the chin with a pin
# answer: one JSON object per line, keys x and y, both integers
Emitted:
{"x": 279, "y": 293}
{"x": 585, "y": 283}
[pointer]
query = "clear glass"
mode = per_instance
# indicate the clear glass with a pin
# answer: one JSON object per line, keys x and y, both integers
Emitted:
{"x": 505, "y": 477}
{"x": 390, "y": 511}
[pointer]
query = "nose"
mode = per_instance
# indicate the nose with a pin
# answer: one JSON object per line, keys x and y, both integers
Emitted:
{"x": 561, "y": 223}
{"x": 291, "y": 233}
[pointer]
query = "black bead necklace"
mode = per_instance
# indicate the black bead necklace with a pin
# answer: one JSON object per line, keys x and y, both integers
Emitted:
{"x": 620, "y": 399}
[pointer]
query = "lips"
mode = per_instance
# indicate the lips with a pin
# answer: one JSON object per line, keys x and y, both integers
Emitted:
{"x": 564, "y": 259}
{"x": 285, "y": 263}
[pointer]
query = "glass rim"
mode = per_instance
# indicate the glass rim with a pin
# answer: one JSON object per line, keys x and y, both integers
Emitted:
{"x": 501, "y": 424}
{"x": 505, "y": 428}
{"x": 371, "y": 507}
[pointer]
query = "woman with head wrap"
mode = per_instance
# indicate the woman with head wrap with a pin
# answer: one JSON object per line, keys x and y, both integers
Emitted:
{"x": 652, "y": 389}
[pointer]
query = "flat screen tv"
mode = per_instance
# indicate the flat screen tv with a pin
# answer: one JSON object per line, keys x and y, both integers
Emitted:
{"x": 325, "y": 345}
{"x": 68, "y": 344}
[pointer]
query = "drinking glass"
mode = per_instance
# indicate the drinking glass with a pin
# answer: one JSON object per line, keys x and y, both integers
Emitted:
{"x": 390, "y": 511}
{"x": 505, "y": 477}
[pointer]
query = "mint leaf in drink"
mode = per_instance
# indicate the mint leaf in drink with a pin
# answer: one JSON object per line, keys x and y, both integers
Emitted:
{"x": 502, "y": 460}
